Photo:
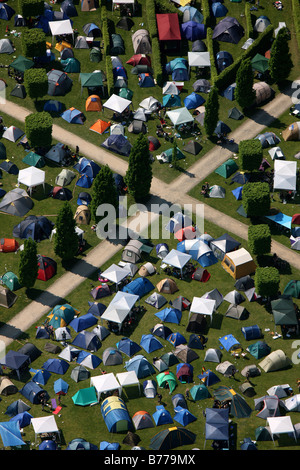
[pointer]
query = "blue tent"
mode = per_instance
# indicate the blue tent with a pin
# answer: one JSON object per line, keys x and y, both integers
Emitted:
{"x": 251, "y": 332}
{"x": 84, "y": 181}
{"x": 10, "y": 434}
{"x": 229, "y": 341}
{"x": 24, "y": 419}
{"x": 18, "y": 406}
{"x": 149, "y": 343}
{"x": 41, "y": 377}
{"x": 118, "y": 143}
{"x": 183, "y": 416}
{"x": 73, "y": 116}
{"x": 104, "y": 445}
{"x": 115, "y": 415}
{"x": 87, "y": 340}
{"x": 146, "y": 80}
{"x": 237, "y": 192}
{"x": 222, "y": 128}
{"x": 32, "y": 391}
{"x": 191, "y": 14}
{"x": 208, "y": 377}
{"x": 81, "y": 444}
{"x": 179, "y": 62}
{"x": 96, "y": 308}
{"x": 53, "y": 106}
{"x": 68, "y": 8}
{"x": 223, "y": 59}
{"x": 128, "y": 347}
{"x": 83, "y": 322}
{"x": 229, "y": 92}
{"x": 171, "y": 100}
{"x": 219, "y": 9}
{"x": 6, "y": 12}
{"x": 119, "y": 71}
{"x": 169, "y": 315}
{"x": 176, "y": 339}
{"x": 48, "y": 444}
{"x": 87, "y": 167}
{"x": 91, "y": 30}
{"x": 193, "y": 100}
{"x": 36, "y": 227}
{"x": 57, "y": 366}
{"x": 192, "y": 31}
{"x": 140, "y": 365}
{"x": 60, "y": 387}
{"x": 241, "y": 178}
{"x": 139, "y": 286}
{"x": 180, "y": 74}
{"x": 281, "y": 219}
{"x": 162, "y": 416}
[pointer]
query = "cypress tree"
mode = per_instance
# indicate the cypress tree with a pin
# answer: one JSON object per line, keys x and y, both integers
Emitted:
{"x": 66, "y": 238}
{"x": 139, "y": 173}
{"x": 211, "y": 111}
{"x": 244, "y": 93}
{"x": 28, "y": 266}
{"x": 280, "y": 63}
{"x": 104, "y": 190}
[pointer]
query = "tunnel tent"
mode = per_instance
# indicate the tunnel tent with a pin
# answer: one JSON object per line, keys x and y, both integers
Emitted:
{"x": 141, "y": 42}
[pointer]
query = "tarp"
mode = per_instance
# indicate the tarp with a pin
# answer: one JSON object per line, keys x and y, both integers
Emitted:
{"x": 10, "y": 434}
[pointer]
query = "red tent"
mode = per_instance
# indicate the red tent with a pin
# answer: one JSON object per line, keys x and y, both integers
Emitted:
{"x": 139, "y": 59}
{"x": 8, "y": 245}
{"x": 296, "y": 219}
{"x": 168, "y": 27}
{"x": 47, "y": 268}
{"x": 186, "y": 233}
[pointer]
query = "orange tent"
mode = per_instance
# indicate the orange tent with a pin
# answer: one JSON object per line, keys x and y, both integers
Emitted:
{"x": 100, "y": 126}
{"x": 93, "y": 103}
{"x": 8, "y": 245}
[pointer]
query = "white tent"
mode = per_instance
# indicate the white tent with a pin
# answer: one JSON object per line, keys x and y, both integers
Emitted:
{"x": 199, "y": 59}
{"x": 276, "y": 153}
{"x": 150, "y": 103}
{"x": 293, "y": 403}
{"x": 281, "y": 425}
{"x": 170, "y": 88}
{"x": 180, "y": 116}
{"x": 281, "y": 24}
{"x": 12, "y": 133}
{"x": 202, "y": 306}
{"x": 117, "y": 103}
{"x": 285, "y": 175}
{"x": 105, "y": 383}
{"x": 279, "y": 390}
{"x": 128, "y": 378}
{"x": 31, "y": 177}
{"x": 58, "y": 28}
{"x": 45, "y": 424}
{"x": 114, "y": 274}
{"x": 177, "y": 259}
{"x": 119, "y": 307}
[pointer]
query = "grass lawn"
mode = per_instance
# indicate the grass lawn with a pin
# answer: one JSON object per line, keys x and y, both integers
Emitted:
{"x": 87, "y": 422}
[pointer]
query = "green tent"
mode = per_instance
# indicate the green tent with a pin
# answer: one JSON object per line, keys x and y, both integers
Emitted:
{"x": 227, "y": 168}
{"x": 95, "y": 54}
{"x": 167, "y": 378}
{"x": 85, "y": 397}
{"x": 33, "y": 159}
{"x": 235, "y": 113}
{"x": 293, "y": 289}
{"x": 21, "y": 64}
{"x": 199, "y": 392}
{"x": 167, "y": 155}
{"x": 126, "y": 93}
{"x": 61, "y": 315}
{"x": 283, "y": 311}
{"x": 91, "y": 79}
{"x": 11, "y": 281}
{"x": 238, "y": 405}
{"x": 71, "y": 65}
{"x": 260, "y": 63}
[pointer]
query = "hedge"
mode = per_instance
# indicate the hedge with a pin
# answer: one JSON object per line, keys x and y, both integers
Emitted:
{"x": 34, "y": 42}
{"x": 106, "y": 51}
{"x": 267, "y": 280}
{"x": 153, "y": 33}
{"x": 259, "y": 239}
{"x": 36, "y": 83}
{"x": 249, "y": 27}
{"x": 296, "y": 15}
{"x": 250, "y": 154}
{"x": 256, "y": 199}
{"x": 38, "y": 129}
{"x": 210, "y": 48}
{"x": 31, "y": 8}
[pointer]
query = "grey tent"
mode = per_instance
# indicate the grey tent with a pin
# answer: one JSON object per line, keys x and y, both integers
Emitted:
{"x": 156, "y": 300}
{"x": 6, "y": 46}
{"x": 57, "y": 154}
{"x": 30, "y": 350}
{"x": 112, "y": 357}
{"x": 141, "y": 42}
{"x": 217, "y": 191}
{"x": 59, "y": 83}
{"x": 213, "y": 355}
{"x": 269, "y": 406}
{"x": 193, "y": 147}
{"x": 237, "y": 311}
{"x": 64, "y": 177}
{"x": 137, "y": 127}
{"x": 81, "y": 43}
{"x": 228, "y": 30}
{"x": 261, "y": 24}
{"x": 132, "y": 251}
{"x": 251, "y": 371}
{"x": 234, "y": 297}
{"x": 276, "y": 360}
{"x": 79, "y": 373}
{"x": 201, "y": 86}
{"x": 235, "y": 113}
{"x": 7, "y": 297}
{"x": 16, "y": 202}
{"x": 19, "y": 91}
{"x": 117, "y": 45}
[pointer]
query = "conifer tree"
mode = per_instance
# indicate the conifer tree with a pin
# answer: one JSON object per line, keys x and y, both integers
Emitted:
{"x": 280, "y": 63}
{"x": 244, "y": 93}
{"x": 66, "y": 238}
{"x": 28, "y": 266}
{"x": 211, "y": 111}
{"x": 104, "y": 190}
{"x": 139, "y": 173}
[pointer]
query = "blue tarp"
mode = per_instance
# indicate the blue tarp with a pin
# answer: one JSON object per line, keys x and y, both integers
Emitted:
{"x": 140, "y": 286}
{"x": 10, "y": 434}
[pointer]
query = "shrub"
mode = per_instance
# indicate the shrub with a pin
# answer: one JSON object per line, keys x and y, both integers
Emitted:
{"x": 38, "y": 129}
{"x": 244, "y": 93}
{"x": 280, "y": 63}
{"x": 66, "y": 238}
{"x": 267, "y": 281}
{"x": 31, "y": 8}
{"x": 139, "y": 173}
{"x": 250, "y": 154}
{"x": 34, "y": 42}
{"x": 256, "y": 199}
{"x": 28, "y": 266}
{"x": 36, "y": 83}
{"x": 211, "y": 111}
{"x": 259, "y": 239}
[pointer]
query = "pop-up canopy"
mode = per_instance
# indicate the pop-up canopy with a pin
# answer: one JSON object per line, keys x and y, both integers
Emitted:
{"x": 31, "y": 177}
{"x": 58, "y": 28}
{"x": 117, "y": 103}
{"x": 45, "y": 424}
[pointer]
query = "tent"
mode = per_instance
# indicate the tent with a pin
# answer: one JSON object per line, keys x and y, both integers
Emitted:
{"x": 33, "y": 159}
{"x": 38, "y": 228}
{"x": 87, "y": 340}
{"x": 142, "y": 420}
{"x": 115, "y": 415}
{"x": 91, "y": 30}
{"x": 283, "y": 311}
{"x": 95, "y": 54}
{"x": 57, "y": 366}
{"x": 263, "y": 92}
{"x": 230, "y": 343}
{"x": 217, "y": 424}
{"x": 33, "y": 392}
{"x": 88, "y": 5}
{"x": 141, "y": 42}
{"x": 6, "y": 12}
{"x": 10, "y": 280}
{"x": 10, "y": 434}
{"x": 7, "y": 387}
{"x": 68, "y": 8}
{"x": 167, "y": 379}
{"x": 218, "y": 9}
{"x": 7, "y": 297}
{"x": 83, "y": 322}
{"x": 203, "y": 306}
{"x": 81, "y": 43}
{"x": 6, "y": 46}
{"x": 293, "y": 289}
{"x": 180, "y": 116}
{"x": 62, "y": 27}
{"x": 117, "y": 103}
{"x": 93, "y": 103}
{"x": 208, "y": 377}
{"x": 193, "y": 100}
{"x": 199, "y": 251}
{"x": 281, "y": 425}
{"x": 19, "y": 91}
{"x": 105, "y": 383}
{"x": 161, "y": 331}
{"x": 162, "y": 416}
{"x": 227, "y": 168}
{"x": 212, "y": 355}
{"x": 128, "y": 347}
{"x": 79, "y": 373}
{"x": 81, "y": 444}
{"x": 117, "y": 45}
{"x": 12, "y": 133}
{"x": 156, "y": 300}
{"x": 149, "y": 343}
{"x": 45, "y": 424}
{"x": 169, "y": 315}
{"x": 223, "y": 60}
{"x": 261, "y": 24}
{"x": 168, "y": 29}
{"x": 172, "y": 438}
{"x": 125, "y": 23}
{"x": 276, "y": 360}
{"x": 238, "y": 263}
{"x": 140, "y": 365}
{"x": 71, "y": 65}
{"x": 235, "y": 113}
{"x": 61, "y": 315}
{"x": 85, "y": 396}
{"x": 59, "y": 83}
{"x": 191, "y": 14}
{"x": 228, "y": 30}
{"x": 199, "y": 392}
{"x": 192, "y": 30}
{"x": 239, "y": 408}
{"x": 16, "y": 407}
{"x": 260, "y": 63}
{"x": 185, "y": 354}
